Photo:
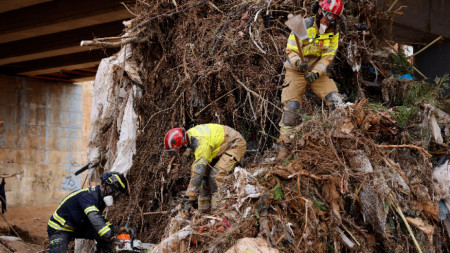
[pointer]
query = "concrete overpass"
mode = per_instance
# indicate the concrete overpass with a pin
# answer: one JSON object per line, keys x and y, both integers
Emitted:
{"x": 41, "y": 38}
{"x": 423, "y": 21}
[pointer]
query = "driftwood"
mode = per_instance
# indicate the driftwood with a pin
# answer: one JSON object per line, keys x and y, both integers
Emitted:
{"x": 111, "y": 42}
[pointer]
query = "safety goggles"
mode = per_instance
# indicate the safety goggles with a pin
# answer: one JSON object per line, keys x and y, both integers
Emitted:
{"x": 331, "y": 17}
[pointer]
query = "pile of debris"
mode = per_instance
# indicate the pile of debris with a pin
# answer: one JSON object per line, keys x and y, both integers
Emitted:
{"x": 359, "y": 177}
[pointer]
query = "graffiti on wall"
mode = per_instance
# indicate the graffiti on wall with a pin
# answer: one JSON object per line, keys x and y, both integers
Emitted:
{"x": 42, "y": 182}
{"x": 71, "y": 182}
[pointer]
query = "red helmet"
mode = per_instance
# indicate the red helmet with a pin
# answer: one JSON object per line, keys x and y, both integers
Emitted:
{"x": 175, "y": 138}
{"x": 335, "y": 7}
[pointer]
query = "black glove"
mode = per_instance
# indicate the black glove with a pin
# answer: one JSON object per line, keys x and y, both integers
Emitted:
{"x": 311, "y": 76}
{"x": 302, "y": 66}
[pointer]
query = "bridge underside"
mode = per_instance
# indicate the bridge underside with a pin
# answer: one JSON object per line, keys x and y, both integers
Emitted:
{"x": 424, "y": 21}
{"x": 41, "y": 38}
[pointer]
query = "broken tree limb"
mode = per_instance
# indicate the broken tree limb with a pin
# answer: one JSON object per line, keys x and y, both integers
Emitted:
{"x": 111, "y": 44}
{"x": 427, "y": 46}
{"x": 418, "y": 223}
{"x": 160, "y": 212}
{"x": 442, "y": 115}
{"x": 169, "y": 14}
{"x": 399, "y": 171}
{"x": 420, "y": 73}
{"x": 335, "y": 152}
{"x": 170, "y": 164}
{"x": 306, "y": 174}
{"x": 392, "y": 5}
{"x": 421, "y": 150}
{"x": 254, "y": 93}
{"x": 15, "y": 232}
{"x": 224, "y": 95}
{"x": 400, "y": 213}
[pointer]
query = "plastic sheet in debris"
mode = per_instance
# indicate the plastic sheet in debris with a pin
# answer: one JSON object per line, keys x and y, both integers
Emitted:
{"x": 172, "y": 243}
{"x": 251, "y": 245}
{"x": 243, "y": 186}
{"x": 109, "y": 70}
{"x": 126, "y": 146}
{"x": 441, "y": 182}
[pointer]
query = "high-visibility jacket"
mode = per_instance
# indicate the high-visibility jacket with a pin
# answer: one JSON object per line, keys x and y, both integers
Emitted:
{"x": 80, "y": 210}
{"x": 318, "y": 49}
{"x": 210, "y": 140}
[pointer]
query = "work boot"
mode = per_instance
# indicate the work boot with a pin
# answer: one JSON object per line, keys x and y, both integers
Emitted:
{"x": 204, "y": 197}
{"x": 214, "y": 199}
{"x": 204, "y": 204}
{"x": 284, "y": 141}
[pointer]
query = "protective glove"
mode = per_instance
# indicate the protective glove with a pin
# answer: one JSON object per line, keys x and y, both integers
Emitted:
{"x": 311, "y": 76}
{"x": 302, "y": 66}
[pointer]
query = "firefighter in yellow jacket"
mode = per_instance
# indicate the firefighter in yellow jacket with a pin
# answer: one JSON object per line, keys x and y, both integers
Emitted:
{"x": 216, "y": 149}
{"x": 319, "y": 50}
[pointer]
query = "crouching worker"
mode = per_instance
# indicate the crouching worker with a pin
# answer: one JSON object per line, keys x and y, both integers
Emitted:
{"x": 80, "y": 215}
{"x": 216, "y": 149}
{"x": 319, "y": 50}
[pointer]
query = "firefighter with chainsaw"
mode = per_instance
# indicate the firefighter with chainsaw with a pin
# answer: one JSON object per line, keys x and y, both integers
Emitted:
{"x": 81, "y": 215}
{"x": 217, "y": 149}
{"x": 319, "y": 49}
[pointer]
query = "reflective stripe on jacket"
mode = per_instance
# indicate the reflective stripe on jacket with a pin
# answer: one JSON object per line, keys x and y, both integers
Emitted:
{"x": 318, "y": 49}
{"x": 72, "y": 213}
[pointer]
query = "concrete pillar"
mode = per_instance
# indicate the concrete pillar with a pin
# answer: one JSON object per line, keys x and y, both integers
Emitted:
{"x": 46, "y": 125}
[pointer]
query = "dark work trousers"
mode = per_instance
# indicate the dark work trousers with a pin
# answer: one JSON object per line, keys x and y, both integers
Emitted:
{"x": 3, "y": 195}
{"x": 59, "y": 240}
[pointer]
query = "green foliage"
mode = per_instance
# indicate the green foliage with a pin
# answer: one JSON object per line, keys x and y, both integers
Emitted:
{"x": 404, "y": 114}
{"x": 306, "y": 117}
{"x": 286, "y": 161}
{"x": 255, "y": 214}
{"x": 431, "y": 93}
{"x": 377, "y": 107}
{"x": 319, "y": 205}
{"x": 278, "y": 192}
{"x": 390, "y": 224}
{"x": 400, "y": 63}
{"x": 330, "y": 248}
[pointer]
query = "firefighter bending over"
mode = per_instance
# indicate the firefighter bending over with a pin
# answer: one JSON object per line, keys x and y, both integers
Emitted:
{"x": 216, "y": 149}
{"x": 80, "y": 215}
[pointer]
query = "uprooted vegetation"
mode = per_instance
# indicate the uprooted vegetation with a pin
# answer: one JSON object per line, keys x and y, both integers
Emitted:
{"x": 356, "y": 177}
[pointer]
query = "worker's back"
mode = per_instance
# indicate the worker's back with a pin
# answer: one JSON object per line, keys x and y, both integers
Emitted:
{"x": 71, "y": 213}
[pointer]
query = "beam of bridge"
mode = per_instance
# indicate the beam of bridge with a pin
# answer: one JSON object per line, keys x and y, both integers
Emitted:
{"x": 423, "y": 21}
{"x": 40, "y": 37}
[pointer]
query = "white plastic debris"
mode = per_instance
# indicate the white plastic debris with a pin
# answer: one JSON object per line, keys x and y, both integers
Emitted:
{"x": 172, "y": 243}
{"x": 251, "y": 245}
{"x": 247, "y": 210}
{"x": 243, "y": 188}
{"x": 441, "y": 182}
{"x": 126, "y": 146}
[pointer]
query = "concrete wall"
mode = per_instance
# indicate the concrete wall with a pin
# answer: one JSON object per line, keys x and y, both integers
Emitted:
{"x": 46, "y": 127}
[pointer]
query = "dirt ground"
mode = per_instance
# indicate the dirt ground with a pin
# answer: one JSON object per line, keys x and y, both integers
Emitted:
{"x": 31, "y": 224}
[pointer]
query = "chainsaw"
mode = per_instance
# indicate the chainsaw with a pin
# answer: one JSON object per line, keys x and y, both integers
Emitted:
{"x": 126, "y": 242}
